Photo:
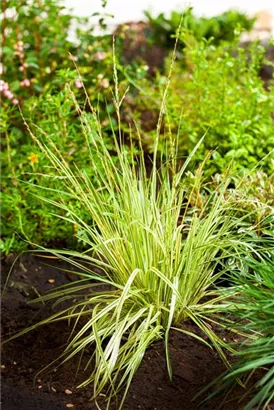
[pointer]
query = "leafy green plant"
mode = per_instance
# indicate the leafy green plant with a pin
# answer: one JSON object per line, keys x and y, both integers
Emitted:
{"x": 37, "y": 59}
{"x": 27, "y": 218}
{"x": 220, "y": 28}
{"x": 220, "y": 93}
{"x": 39, "y": 56}
{"x": 157, "y": 249}
{"x": 254, "y": 311}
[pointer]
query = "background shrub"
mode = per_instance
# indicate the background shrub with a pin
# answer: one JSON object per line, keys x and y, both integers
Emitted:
{"x": 220, "y": 28}
{"x": 216, "y": 91}
{"x": 41, "y": 44}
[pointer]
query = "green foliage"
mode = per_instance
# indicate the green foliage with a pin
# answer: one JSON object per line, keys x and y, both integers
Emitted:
{"x": 223, "y": 27}
{"x": 255, "y": 311}
{"x": 217, "y": 92}
{"x": 39, "y": 57}
{"x": 38, "y": 62}
{"x": 25, "y": 215}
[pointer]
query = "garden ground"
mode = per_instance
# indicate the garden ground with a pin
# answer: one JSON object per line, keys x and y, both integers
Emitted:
{"x": 194, "y": 364}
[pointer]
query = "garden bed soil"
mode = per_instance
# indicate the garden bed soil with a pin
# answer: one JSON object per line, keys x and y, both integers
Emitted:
{"x": 194, "y": 364}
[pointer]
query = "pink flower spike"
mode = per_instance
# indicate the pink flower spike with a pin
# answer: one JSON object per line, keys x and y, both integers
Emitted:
{"x": 15, "y": 101}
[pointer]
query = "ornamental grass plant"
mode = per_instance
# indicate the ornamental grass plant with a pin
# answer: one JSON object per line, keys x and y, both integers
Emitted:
{"x": 159, "y": 248}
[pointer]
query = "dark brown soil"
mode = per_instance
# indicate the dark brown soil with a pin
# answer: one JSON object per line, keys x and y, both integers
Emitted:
{"x": 194, "y": 365}
{"x": 136, "y": 45}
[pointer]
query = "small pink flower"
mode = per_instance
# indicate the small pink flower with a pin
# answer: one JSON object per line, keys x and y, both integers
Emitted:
{"x": 15, "y": 101}
{"x": 74, "y": 58}
{"x": 25, "y": 82}
{"x": 78, "y": 83}
{"x": 100, "y": 55}
{"x": 3, "y": 86}
{"x": 24, "y": 65}
{"x": 8, "y": 94}
{"x": 105, "y": 83}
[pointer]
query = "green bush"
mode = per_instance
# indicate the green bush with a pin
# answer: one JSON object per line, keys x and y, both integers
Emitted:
{"x": 38, "y": 63}
{"x": 217, "y": 92}
{"x": 223, "y": 27}
{"x": 26, "y": 217}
